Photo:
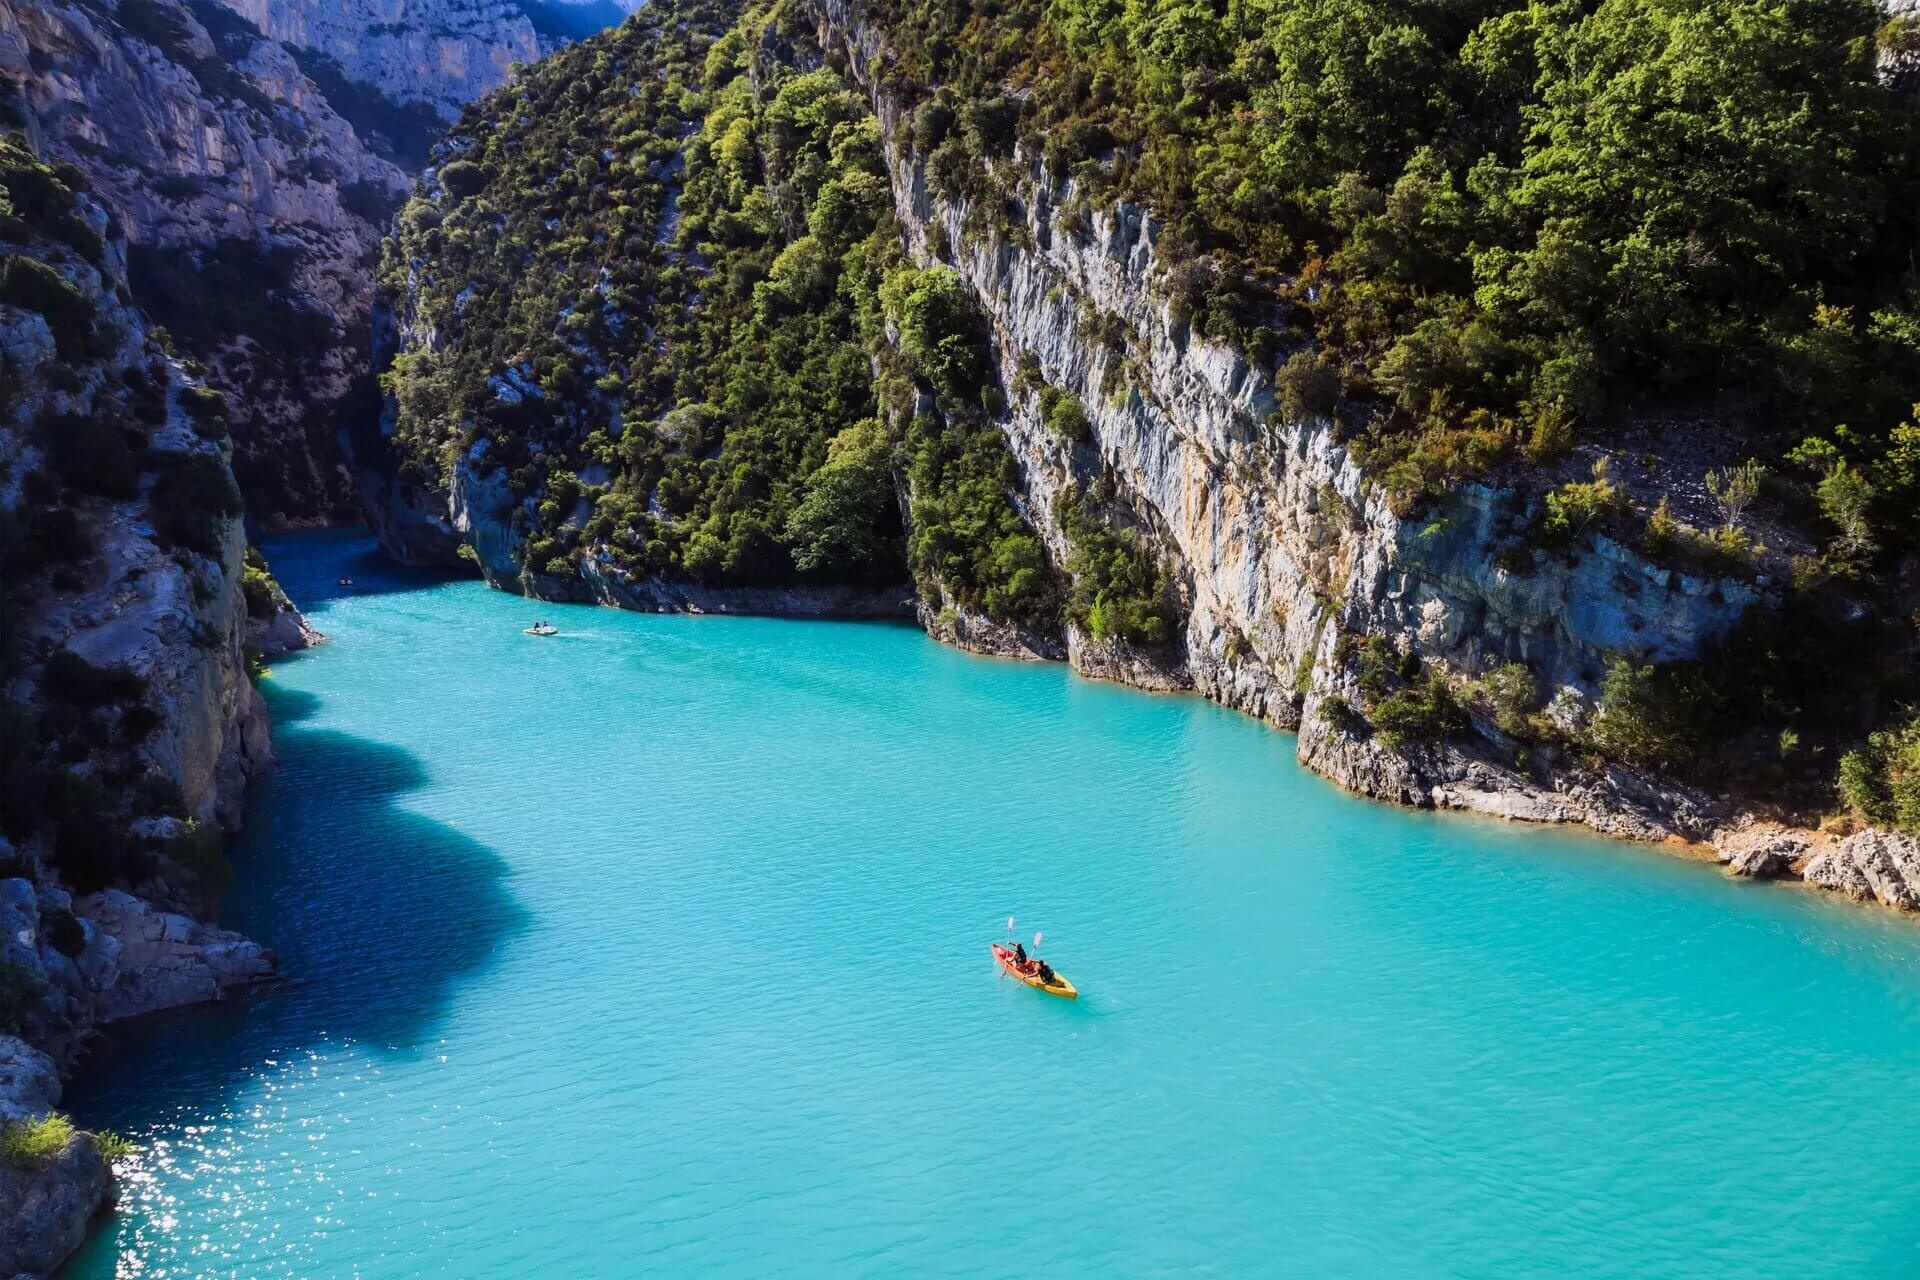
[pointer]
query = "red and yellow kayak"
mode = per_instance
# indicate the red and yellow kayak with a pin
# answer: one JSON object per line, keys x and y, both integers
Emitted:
{"x": 1030, "y": 975}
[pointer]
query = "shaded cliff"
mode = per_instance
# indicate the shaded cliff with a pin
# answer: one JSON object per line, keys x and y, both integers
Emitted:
{"x": 129, "y": 725}
{"x": 252, "y": 152}
{"x": 250, "y": 207}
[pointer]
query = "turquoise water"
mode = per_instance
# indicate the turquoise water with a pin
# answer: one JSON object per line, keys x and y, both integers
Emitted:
{"x": 661, "y": 948}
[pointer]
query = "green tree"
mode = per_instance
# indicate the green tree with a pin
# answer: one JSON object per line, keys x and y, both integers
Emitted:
{"x": 939, "y": 327}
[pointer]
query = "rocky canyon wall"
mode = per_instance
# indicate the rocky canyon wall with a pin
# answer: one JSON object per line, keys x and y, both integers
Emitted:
{"x": 129, "y": 725}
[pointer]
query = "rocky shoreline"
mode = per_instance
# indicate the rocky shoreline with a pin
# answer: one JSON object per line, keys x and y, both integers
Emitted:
{"x": 1869, "y": 866}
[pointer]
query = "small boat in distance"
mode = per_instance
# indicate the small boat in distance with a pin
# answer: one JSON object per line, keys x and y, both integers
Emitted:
{"x": 346, "y": 582}
{"x": 542, "y": 629}
{"x": 1036, "y": 973}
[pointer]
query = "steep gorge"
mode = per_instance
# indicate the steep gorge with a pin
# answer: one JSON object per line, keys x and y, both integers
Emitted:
{"x": 1282, "y": 545}
{"x": 252, "y": 152}
{"x": 251, "y": 211}
{"x": 1196, "y": 524}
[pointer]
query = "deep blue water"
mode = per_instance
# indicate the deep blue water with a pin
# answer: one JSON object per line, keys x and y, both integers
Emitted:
{"x": 660, "y": 947}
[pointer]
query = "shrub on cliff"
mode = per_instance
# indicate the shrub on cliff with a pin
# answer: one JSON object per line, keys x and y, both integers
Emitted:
{"x": 1578, "y": 506}
{"x": 1119, "y": 589}
{"x": 21, "y": 992}
{"x": 940, "y": 331}
{"x": 38, "y": 197}
{"x": 1309, "y": 386}
{"x": 968, "y": 539}
{"x": 191, "y": 501}
{"x": 1647, "y": 715}
{"x": 838, "y": 530}
{"x": 464, "y": 178}
{"x": 1338, "y": 713}
{"x": 1880, "y": 781}
{"x": 90, "y": 848}
{"x": 110, "y": 1146}
{"x": 32, "y": 1144}
{"x": 72, "y": 677}
{"x": 1064, "y": 416}
{"x": 92, "y": 455}
{"x": 25, "y": 282}
{"x": 42, "y": 535}
{"x": 1425, "y": 711}
{"x": 1381, "y": 665}
{"x": 1513, "y": 695}
{"x": 262, "y": 593}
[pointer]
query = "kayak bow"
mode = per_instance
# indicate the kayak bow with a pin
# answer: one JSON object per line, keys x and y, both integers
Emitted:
{"x": 1031, "y": 975}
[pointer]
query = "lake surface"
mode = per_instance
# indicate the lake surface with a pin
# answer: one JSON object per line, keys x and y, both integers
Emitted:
{"x": 660, "y": 947}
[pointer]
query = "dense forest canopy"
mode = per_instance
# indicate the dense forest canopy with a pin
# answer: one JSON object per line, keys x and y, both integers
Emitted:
{"x": 1509, "y": 222}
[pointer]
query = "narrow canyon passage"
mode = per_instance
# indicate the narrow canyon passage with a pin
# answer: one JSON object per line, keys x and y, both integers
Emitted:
{"x": 667, "y": 937}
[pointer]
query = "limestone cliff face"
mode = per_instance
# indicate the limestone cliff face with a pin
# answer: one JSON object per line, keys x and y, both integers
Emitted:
{"x": 254, "y": 195}
{"x": 131, "y": 725}
{"x": 251, "y": 207}
{"x": 441, "y": 53}
{"x": 131, "y": 718}
{"x": 1280, "y": 542}
{"x": 1286, "y": 557}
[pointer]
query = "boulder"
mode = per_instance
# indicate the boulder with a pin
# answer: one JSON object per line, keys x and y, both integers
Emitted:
{"x": 1760, "y": 853}
{"x": 1871, "y": 866}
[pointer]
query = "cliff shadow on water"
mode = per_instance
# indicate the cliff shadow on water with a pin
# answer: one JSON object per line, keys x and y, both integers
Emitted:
{"x": 380, "y": 915}
{"x": 326, "y": 565}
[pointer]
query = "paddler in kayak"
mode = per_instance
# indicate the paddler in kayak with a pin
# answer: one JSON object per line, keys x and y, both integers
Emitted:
{"x": 1030, "y": 969}
{"x": 1032, "y": 964}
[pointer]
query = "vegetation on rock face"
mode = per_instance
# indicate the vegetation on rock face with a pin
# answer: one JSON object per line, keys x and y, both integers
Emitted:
{"x": 32, "y": 1144}
{"x": 1496, "y": 233}
{"x": 110, "y": 1146}
{"x": 662, "y": 267}
{"x": 21, "y": 992}
{"x": 1406, "y": 702}
{"x": 1881, "y": 781}
{"x": 1120, "y": 591}
{"x": 88, "y": 468}
{"x": 671, "y": 317}
{"x": 1644, "y": 717}
{"x": 651, "y": 269}
{"x": 1501, "y": 221}
{"x": 39, "y": 199}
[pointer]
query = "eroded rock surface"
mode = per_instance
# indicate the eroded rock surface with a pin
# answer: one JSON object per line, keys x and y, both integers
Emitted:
{"x": 1281, "y": 544}
{"x": 1870, "y": 866}
{"x": 251, "y": 207}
